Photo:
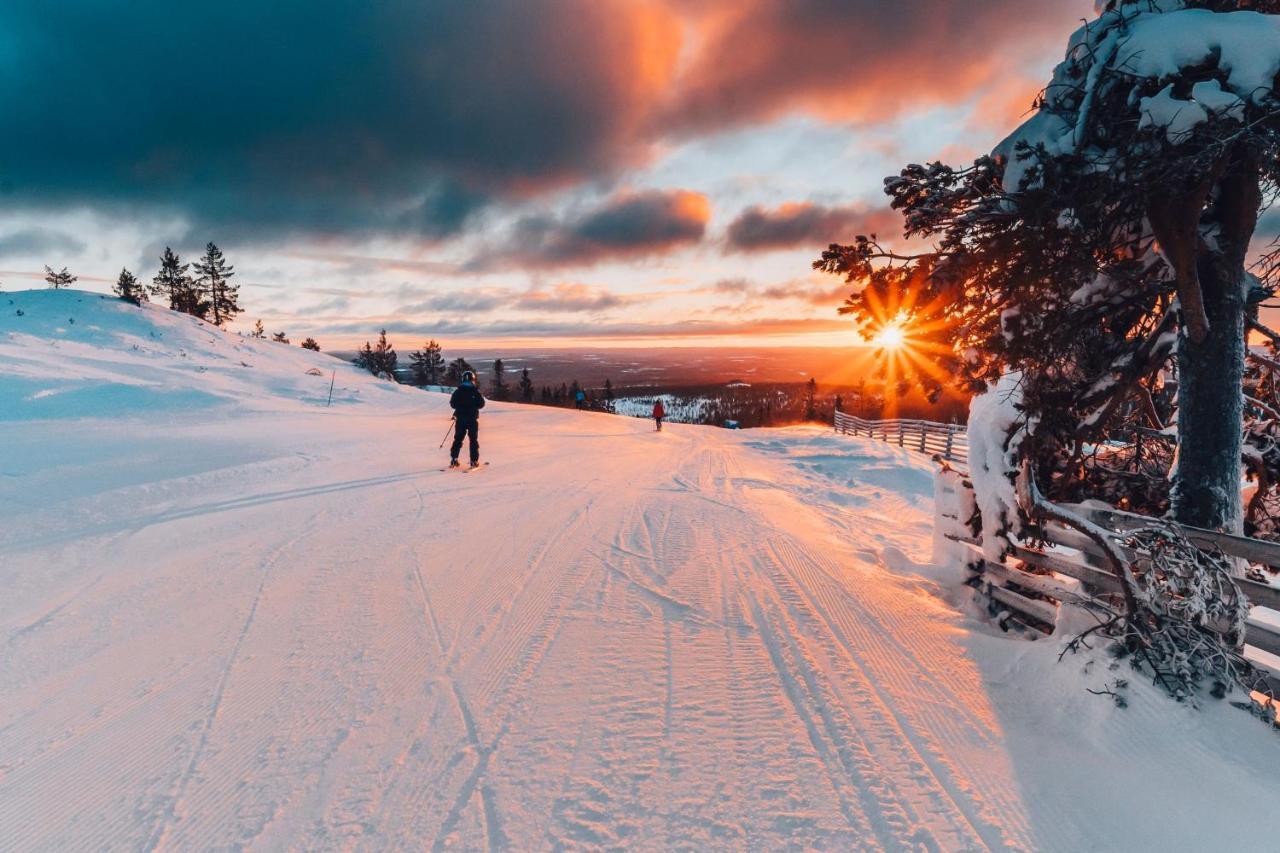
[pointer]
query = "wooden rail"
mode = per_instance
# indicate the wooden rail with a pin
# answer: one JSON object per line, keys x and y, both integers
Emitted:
{"x": 1033, "y": 581}
{"x": 950, "y": 441}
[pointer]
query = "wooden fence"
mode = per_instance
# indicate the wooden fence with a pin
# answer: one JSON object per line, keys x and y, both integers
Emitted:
{"x": 950, "y": 441}
{"x": 1032, "y": 583}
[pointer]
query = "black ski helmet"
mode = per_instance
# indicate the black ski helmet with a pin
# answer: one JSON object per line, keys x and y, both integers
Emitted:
{"x": 468, "y": 376}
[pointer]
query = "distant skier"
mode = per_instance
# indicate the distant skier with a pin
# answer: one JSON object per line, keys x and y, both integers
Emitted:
{"x": 659, "y": 412}
{"x": 581, "y": 398}
{"x": 467, "y": 401}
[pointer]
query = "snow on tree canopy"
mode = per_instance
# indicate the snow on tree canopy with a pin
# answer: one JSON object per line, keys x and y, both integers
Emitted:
{"x": 1150, "y": 44}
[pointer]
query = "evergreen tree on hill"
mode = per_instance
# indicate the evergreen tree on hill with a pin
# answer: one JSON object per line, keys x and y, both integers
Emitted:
{"x": 279, "y": 337}
{"x": 128, "y": 288}
{"x": 213, "y": 278}
{"x": 427, "y": 364}
{"x": 310, "y": 343}
{"x": 498, "y": 389}
{"x": 526, "y": 386}
{"x": 174, "y": 284}
{"x": 59, "y": 279}
{"x": 258, "y": 331}
{"x": 457, "y": 367}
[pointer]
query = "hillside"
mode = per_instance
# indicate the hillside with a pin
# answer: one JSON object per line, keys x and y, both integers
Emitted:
{"x": 235, "y": 616}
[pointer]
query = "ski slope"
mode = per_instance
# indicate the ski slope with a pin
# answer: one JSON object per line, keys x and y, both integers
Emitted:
{"x": 235, "y": 617}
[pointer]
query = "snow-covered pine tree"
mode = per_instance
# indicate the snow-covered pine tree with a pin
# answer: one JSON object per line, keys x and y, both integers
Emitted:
{"x": 1105, "y": 235}
{"x": 310, "y": 343}
{"x": 58, "y": 279}
{"x": 128, "y": 288}
{"x": 213, "y": 278}
{"x": 608, "y": 394}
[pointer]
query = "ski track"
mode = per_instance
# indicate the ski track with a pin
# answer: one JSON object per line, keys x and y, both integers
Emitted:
{"x": 657, "y": 641}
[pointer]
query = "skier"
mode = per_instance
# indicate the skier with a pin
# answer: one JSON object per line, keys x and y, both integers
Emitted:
{"x": 581, "y": 398}
{"x": 659, "y": 412}
{"x": 467, "y": 401}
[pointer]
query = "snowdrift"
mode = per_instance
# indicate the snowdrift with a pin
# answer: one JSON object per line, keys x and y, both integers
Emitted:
{"x": 71, "y": 353}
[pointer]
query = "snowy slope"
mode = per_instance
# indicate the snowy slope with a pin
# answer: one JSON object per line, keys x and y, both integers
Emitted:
{"x": 234, "y": 617}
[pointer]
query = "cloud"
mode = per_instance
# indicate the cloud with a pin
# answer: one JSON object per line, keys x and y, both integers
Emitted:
{"x": 258, "y": 118}
{"x": 39, "y": 241}
{"x": 606, "y": 330}
{"x": 626, "y": 226}
{"x": 856, "y": 59}
{"x": 572, "y": 298}
{"x": 796, "y": 225}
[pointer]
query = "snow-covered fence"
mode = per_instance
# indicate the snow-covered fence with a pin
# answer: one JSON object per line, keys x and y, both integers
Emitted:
{"x": 1030, "y": 584}
{"x": 950, "y": 441}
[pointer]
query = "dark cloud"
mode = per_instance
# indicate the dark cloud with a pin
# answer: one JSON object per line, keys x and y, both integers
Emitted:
{"x": 857, "y": 59}
{"x": 257, "y": 120}
{"x": 629, "y": 225}
{"x": 329, "y": 115}
{"x": 39, "y": 241}
{"x": 805, "y": 225}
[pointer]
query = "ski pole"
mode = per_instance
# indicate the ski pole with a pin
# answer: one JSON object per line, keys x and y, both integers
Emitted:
{"x": 332, "y": 379}
{"x": 452, "y": 422}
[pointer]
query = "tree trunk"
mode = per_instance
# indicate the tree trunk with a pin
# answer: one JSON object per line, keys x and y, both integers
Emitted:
{"x": 1206, "y": 489}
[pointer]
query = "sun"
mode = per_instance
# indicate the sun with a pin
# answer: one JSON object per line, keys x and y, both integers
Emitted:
{"x": 891, "y": 336}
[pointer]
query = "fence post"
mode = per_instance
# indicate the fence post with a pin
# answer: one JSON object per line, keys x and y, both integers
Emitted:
{"x": 924, "y": 431}
{"x": 951, "y": 434}
{"x": 900, "y": 433}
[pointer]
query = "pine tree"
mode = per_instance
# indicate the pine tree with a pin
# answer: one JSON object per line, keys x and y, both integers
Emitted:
{"x": 310, "y": 343}
{"x": 498, "y": 389}
{"x": 173, "y": 283}
{"x": 258, "y": 331}
{"x": 608, "y": 395}
{"x": 365, "y": 359}
{"x": 382, "y": 358}
{"x": 810, "y": 400}
{"x": 457, "y": 367}
{"x": 526, "y": 386}
{"x": 129, "y": 289}
{"x": 279, "y": 337}
{"x": 213, "y": 278}
{"x": 427, "y": 364}
{"x": 60, "y": 279}
{"x": 1104, "y": 239}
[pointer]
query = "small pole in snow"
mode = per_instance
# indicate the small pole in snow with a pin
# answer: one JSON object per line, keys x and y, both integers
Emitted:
{"x": 331, "y": 381}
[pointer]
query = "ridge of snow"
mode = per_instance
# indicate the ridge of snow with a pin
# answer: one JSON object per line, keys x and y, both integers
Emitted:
{"x": 72, "y": 353}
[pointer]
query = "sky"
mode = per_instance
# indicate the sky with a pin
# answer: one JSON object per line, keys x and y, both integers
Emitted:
{"x": 498, "y": 172}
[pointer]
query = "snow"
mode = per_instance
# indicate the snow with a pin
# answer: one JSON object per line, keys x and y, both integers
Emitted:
{"x": 995, "y": 430}
{"x": 1150, "y": 42}
{"x": 236, "y": 617}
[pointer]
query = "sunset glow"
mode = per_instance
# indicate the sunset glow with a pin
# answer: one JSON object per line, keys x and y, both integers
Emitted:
{"x": 891, "y": 337}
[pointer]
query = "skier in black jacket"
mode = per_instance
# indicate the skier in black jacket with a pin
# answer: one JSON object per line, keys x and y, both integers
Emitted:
{"x": 467, "y": 401}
